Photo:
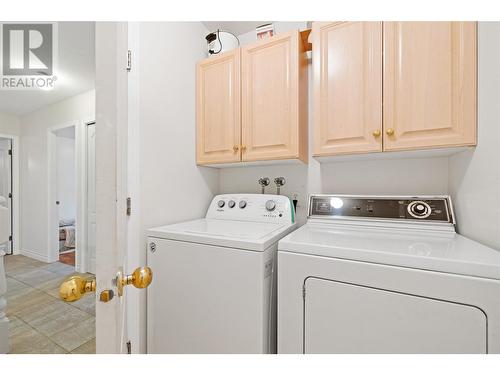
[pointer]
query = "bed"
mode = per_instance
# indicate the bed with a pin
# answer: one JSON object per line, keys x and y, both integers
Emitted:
{"x": 66, "y": 234}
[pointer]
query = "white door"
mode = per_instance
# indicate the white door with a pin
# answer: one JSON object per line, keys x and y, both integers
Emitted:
{"x": 115, "y": 331}
{"x": 5, "y": 195}
{"x": 91, "y": 208}
{"x": 111, "y": 125}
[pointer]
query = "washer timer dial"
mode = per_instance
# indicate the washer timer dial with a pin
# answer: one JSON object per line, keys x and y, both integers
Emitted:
{"x": 419, "y": 209}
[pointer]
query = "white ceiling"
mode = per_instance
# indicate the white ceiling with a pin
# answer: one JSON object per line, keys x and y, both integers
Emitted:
{"x": 236, "y": 27}
{"x": 75, "y": 72}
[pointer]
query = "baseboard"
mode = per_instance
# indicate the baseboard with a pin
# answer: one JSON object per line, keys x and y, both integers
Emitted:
{"x": 35, "y": 255}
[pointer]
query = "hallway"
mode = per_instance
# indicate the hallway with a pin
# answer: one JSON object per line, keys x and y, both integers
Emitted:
{"x": 39, "y": 321}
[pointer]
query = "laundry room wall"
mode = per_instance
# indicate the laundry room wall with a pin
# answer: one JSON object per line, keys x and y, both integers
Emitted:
{"x": 9, "y": 124}
{"x": 173, "y": 187}
{"x": 33, "y": 167}
{"x": 475, "y": 174}
{"x": 386, "y": 176}
{"x": 162, "y": 102}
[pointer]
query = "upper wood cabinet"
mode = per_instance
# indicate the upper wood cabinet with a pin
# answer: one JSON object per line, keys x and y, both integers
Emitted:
{"x": 218, "y": 129}
{"x": 429, "y": 84}
{"x": 347, "y": 104}
{"x": 256, "y": 116}
{"x": 393, "y": 86}
{"x": 274, "y": 99}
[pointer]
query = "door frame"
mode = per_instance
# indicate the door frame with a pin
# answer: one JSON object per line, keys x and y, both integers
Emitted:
{"x": 52, "y": 214}
{"x": 83, "y": 255}
{"x": 16, "y": 249}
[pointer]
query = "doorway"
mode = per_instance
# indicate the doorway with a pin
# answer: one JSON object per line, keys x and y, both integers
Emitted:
{"x": 71, "y": 189}
{"x": 65, "y": 187}
{"x": 6, "y": 189}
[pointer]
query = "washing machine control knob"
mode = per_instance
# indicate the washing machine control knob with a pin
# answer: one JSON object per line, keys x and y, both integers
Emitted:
{"x": 231, "y": 203}
{"x": 419, "y": 209}
{"x": 270, "y": 205}
{"x": 221, "y": 203}
{"x": 243, "y": 204}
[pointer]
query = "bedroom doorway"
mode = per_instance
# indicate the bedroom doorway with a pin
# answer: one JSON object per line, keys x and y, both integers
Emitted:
{"x": 65, "y": 188}
{"x": 71, "y": 194}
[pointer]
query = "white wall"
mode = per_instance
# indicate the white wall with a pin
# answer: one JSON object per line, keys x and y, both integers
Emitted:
{"x": 66, "y": 176}
{"x": 172, "y": 188}
{"x": 33, "y": 167}
{"x": 475, "y": 175}
{"x": 9, "y": 124}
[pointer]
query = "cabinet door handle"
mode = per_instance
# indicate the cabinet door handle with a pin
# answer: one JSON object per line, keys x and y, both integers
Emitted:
{"x": 389, "y": 131}
{"x": 236, "y": 148}
{"x": 243, "y": 147}
{"x": 376, "y": 133}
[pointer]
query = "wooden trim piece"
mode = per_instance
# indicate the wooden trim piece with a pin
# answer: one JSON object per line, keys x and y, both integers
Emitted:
{"x": 304, "y": 35}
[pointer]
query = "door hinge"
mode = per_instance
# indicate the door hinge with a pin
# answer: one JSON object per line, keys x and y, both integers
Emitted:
{"x": 129, "y": 206}
{"x": 10, "y": 152}
{"x": 129, "y": 60}
{"x": 304, "y": 292}
{"x": 129, "y": 347}
{"x": 10, "y": 195}
{"x": 10, "y": 238}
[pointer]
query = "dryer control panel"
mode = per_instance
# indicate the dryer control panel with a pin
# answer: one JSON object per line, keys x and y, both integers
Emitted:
{"x": 267, "y": 208}
{"x": 415, "y": 208}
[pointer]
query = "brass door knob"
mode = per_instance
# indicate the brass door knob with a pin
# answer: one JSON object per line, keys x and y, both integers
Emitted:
{"x": 376, "y": 133}
{"x": 75, "y": 287}
{"x": 389, "y": 131}
{"x": 236, "y": 148}
{"x": 243, "y": 147}
{"x": 140, "y": 278}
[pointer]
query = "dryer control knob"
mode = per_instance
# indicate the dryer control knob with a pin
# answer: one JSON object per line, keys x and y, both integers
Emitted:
{"x": 221, "y": 203}
{"x": 243, "y": 204}
{"x": 270, "y": 205}
{"x": 231, "y": 204}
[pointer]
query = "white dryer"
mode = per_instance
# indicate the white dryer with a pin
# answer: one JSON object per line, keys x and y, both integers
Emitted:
{"x": 386, "y": 275}
{"x": 215, "y": 278}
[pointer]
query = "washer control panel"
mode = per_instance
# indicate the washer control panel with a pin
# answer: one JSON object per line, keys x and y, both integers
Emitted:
{"x": 424, "y": 208}
{"x": 252, "y": 207}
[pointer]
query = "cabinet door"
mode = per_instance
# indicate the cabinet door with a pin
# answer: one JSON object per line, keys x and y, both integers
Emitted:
{"x": 347, "y": 70}
{"x": 218, "y": 121}
{"x": 274, "y": 99}
{"x": 429, "y": 84}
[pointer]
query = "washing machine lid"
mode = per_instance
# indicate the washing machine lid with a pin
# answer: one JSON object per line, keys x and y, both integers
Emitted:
{"x": 414, "y": 248}
{"x": 246, "y": 235}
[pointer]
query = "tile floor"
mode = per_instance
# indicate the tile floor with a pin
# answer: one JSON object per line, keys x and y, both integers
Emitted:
{"x": 39, "y": 321}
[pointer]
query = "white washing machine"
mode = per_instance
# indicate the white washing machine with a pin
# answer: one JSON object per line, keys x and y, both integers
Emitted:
{"x": 214, "y": 289}
{"x": 386, "y": 275}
